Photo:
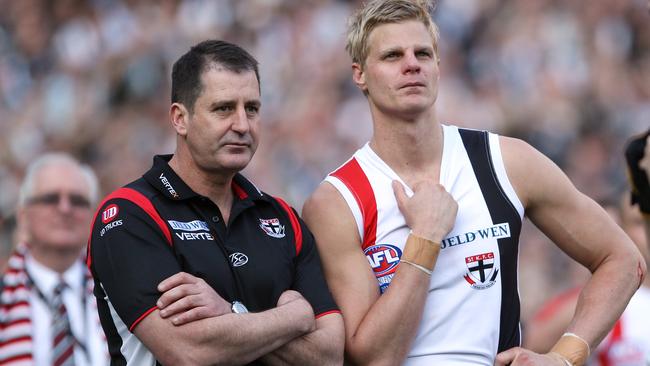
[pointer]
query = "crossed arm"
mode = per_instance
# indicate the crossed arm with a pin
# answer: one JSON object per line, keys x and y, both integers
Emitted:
{"x": 287, "y": 334}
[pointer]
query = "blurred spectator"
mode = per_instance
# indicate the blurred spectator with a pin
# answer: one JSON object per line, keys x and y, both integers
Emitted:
{"x": 48, "y": 315}
{"x": 88, "y": 77}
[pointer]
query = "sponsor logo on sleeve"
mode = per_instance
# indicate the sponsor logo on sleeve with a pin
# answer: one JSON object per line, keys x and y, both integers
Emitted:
{"x": 481, "y": 270}
{"x": 109, "y": 226}
{"x": 272, "y": 227}
{"x": 109, "y": 213}
{"x": 383, "y": 259}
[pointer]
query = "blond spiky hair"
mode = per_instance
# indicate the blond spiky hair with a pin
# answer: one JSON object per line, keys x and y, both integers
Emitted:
{"x": 379, "y": 12}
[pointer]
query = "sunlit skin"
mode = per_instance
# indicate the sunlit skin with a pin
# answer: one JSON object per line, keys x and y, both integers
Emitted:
{"x": 221, "y": 133}
{"x": 218, "y": 138}
{"x": 400, "y": 74}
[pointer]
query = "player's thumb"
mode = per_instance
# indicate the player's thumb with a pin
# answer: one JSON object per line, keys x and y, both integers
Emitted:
{"x": 400, "y": 194}
{"x": 506, "y": 358}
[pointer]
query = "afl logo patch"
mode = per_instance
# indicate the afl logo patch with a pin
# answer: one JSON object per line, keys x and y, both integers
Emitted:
{"x": 238, "y": 259}
{"x": 110, "y": 213}
{"x": 383, "y": 258}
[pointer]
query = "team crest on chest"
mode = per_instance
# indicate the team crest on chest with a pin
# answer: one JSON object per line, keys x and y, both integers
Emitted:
{"x": 272, "y": 227}
{"x": 481, "y": 270}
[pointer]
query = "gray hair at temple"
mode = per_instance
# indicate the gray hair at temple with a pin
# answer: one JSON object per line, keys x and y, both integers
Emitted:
{"x": 56, "y": 158}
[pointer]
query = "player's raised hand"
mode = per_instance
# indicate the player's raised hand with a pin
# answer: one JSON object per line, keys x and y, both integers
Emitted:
{"x": 430, "y": 212}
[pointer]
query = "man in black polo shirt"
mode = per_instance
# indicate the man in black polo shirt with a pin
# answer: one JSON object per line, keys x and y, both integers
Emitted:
{"x": 194, "y": 213}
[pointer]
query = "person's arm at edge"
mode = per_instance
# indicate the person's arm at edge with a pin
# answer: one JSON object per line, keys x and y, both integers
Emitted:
{"x": 378, "y": 329}
{"x": 576, "y": 224}
{"x": 226, "y": 339}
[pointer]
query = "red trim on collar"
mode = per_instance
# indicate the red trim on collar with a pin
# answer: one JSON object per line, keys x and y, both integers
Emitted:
{"x": 239, "y": 191}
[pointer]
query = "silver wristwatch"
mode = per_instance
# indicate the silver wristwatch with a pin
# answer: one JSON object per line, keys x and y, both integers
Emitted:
{"x": 238, "y": 308}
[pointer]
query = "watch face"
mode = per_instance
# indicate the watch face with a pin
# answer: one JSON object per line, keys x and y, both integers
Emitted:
{"x": 238, "y": 308}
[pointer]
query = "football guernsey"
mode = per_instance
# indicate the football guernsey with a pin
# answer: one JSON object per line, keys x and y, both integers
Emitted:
{"x": 157, "y": 226}
{"x": 472, "y": 308}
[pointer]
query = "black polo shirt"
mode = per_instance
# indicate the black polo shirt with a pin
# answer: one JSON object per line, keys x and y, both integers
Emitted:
{"x": 157, "y": 226}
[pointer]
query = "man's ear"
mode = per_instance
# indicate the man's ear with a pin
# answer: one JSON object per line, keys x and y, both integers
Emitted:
{"x": 359, "y": 77}
{"x": 179, "y": 116}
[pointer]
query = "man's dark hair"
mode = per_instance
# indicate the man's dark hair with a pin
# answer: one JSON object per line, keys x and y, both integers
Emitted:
{"x": 187, "y": 70}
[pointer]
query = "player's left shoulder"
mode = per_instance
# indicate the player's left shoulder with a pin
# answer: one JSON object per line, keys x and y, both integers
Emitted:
{"x": 530, "y": 171}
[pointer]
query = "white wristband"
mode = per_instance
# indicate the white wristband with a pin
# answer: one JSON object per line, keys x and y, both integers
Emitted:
{"x": 421, "y": 268}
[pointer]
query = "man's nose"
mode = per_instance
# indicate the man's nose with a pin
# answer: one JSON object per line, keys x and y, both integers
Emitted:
{"x": 64, "y": 204}
{"x": 411, "y": 62}
{"x": 240, "y": 123}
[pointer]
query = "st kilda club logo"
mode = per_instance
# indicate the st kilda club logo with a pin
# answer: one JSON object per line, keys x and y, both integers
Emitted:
{"x": 481, "y": 270}
{"x": 272, "y": 227}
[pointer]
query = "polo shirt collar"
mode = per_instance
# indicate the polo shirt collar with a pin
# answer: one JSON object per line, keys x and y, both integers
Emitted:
{"x": 165, "y": 180}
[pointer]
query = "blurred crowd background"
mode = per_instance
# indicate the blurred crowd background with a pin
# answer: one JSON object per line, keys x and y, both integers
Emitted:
{"x": 92, "y": 77}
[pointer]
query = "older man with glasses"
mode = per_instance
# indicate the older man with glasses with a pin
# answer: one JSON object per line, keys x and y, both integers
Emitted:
{"x": 48, "y": 315}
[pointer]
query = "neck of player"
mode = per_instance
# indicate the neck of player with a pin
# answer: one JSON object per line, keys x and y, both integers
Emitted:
{"x": 411, "y": 147}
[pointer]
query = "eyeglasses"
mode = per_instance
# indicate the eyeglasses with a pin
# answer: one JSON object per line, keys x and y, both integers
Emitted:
{"x": 54, "y": 198}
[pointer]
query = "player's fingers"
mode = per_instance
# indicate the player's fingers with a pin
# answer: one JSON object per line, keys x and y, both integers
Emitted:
{"x": 507, "y": 357}
{"x": 181, "y": 304}
{"x": 176, "y": 280}
{"x": 175, "y": 294}
{"x": 400, "y": 194}
{"x": 190, "y": 315}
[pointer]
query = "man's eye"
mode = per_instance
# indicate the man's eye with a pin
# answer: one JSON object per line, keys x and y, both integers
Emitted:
{"x": 223, "y": 108}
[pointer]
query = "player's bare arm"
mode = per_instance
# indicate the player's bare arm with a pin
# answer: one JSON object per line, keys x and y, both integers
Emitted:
{"x": 186, "y": 298}
{"x": 583, "y": 230}
{"x": 378, "y": 329}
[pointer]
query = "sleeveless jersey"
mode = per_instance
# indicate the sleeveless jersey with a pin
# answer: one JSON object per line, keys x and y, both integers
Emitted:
{"x": 472, "y": 308}
{"x": 628, "y": 343}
